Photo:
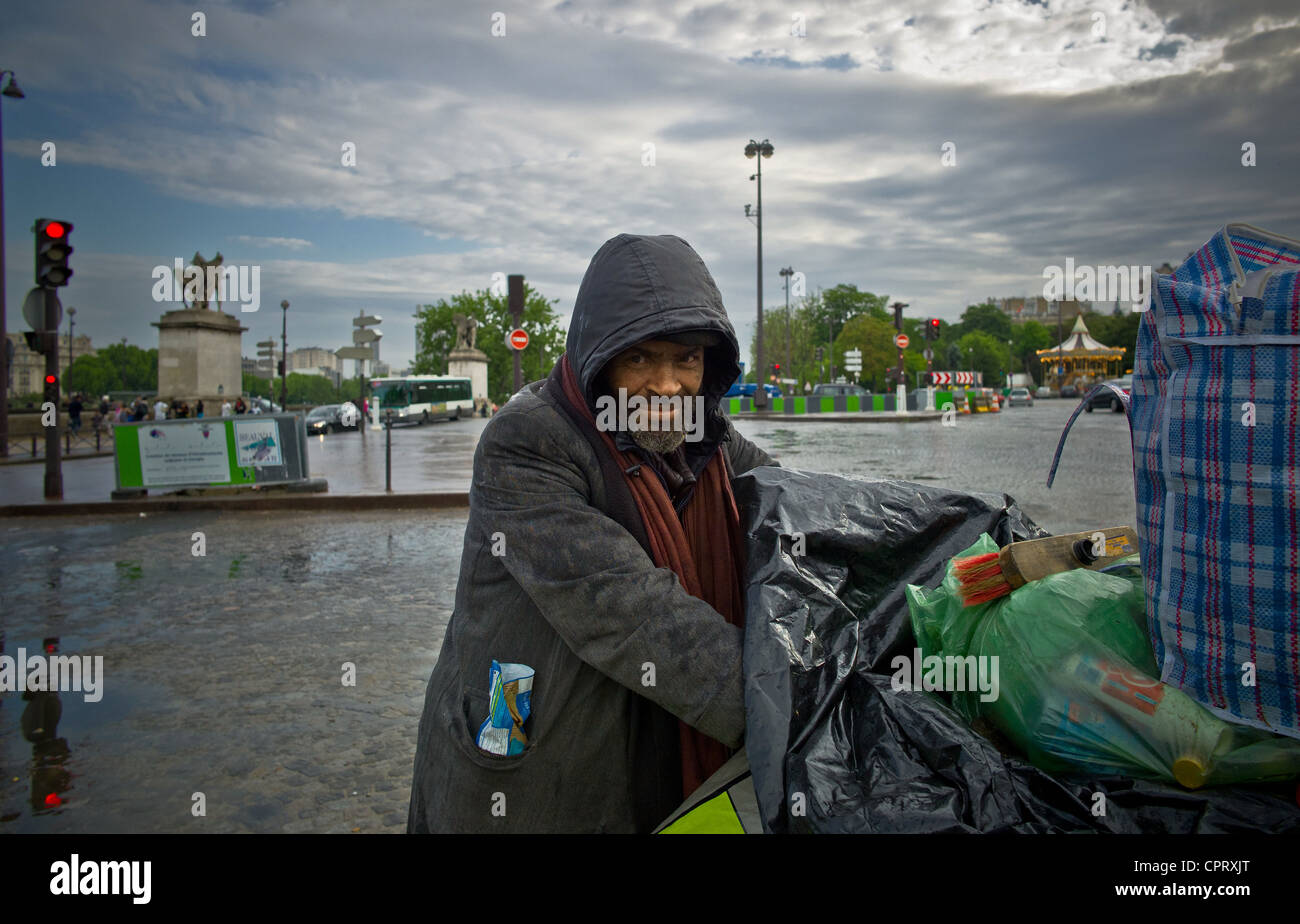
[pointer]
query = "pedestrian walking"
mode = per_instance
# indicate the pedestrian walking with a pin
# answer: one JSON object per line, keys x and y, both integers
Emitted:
{"x": 160, "y": 410}
{"x": 198, "y": 408}
{"x": 240, "y": 406}
{"x": 75, "y": 408}
{"x": 226, "y": 409}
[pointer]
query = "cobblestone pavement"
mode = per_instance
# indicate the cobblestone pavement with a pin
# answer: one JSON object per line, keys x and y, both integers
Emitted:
{"x": 223, "y": 673}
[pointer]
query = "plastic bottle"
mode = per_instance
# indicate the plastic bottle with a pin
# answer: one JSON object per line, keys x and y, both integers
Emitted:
{"x": 1175, "y": 731}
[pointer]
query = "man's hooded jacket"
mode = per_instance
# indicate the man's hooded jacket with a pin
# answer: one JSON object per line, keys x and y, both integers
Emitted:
{"x": 629, "y": 665}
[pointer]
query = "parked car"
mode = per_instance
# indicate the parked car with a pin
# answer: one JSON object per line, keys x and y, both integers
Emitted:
{"x": 737, "y": 390}
{"x": 1069, "y": 391}
{"x": 1044, "y": 392}
{"x": 263, "y": 405}
{"x": 328, "y": 418}
{"x": 1020, "y": 396}
{"x": 832, "y": 390}
{"x": 1107, "y": 398}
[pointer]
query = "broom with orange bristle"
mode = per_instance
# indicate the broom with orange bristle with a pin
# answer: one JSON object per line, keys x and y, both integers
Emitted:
{"x": 981, "y": 578}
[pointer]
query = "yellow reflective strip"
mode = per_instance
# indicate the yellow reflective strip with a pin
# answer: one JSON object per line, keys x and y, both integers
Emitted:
{"x": 717, "y": 816}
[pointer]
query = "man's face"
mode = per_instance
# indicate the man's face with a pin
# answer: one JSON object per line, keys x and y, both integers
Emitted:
{"x": 658, "y": 368}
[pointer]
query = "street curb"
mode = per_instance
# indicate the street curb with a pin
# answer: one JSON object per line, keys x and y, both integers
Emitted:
{"x": 315, "y": 502}
{"x": 32, "y": 460}
{"x": 844, "y": 416}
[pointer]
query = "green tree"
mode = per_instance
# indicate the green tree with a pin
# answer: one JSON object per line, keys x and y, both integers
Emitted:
{"x": 831, "y": 308}
{"x": 435, "y": 336}
{"x": 256, "y": 386}
{"x": 1027, "y": 339}
{"x": 92, "y": 375}
{"x": 984, "y": 353}
{"x": 874, "y": 336}
{"x": 116, "y": 367}
{"x": 988, "y": 318}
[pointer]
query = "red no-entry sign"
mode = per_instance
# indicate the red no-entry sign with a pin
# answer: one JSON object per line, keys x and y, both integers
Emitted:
{"x": 901, "y": 341}
{"x": 517, "y": 339}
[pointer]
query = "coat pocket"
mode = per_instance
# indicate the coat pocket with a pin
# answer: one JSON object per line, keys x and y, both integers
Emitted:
{"x": 475, "y": 705}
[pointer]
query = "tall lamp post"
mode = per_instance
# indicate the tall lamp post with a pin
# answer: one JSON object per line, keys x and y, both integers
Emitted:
{"x": 760, "y": 391}
{"x": 11, "y": 90}
{"x": 284, "y": 355}
{"x": 787, "y": 272}
{"x": 72, "y": 326}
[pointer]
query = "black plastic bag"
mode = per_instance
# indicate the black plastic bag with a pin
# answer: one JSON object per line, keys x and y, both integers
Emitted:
{"x": 834, "y": 748}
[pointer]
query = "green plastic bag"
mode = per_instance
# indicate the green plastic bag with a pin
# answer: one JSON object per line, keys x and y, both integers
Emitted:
{"x": 1075, "y": 684}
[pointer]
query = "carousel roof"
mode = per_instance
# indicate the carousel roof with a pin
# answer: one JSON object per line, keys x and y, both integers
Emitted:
{"x": 1080, "y": 342}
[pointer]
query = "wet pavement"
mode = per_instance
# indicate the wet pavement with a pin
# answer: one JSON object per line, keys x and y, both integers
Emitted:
{"x": 223, "y": 673}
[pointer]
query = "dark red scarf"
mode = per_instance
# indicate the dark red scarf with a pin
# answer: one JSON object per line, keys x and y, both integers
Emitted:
{"x": 703, "y": 548}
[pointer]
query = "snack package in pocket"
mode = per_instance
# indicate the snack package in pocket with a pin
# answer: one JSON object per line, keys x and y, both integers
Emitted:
{"x": 510, "y": 696}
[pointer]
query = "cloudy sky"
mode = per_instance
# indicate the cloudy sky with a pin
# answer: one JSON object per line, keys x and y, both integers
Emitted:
{"x": 1108, "y": 131}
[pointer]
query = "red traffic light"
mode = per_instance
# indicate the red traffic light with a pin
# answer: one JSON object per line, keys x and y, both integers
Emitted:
{"x": 54, "y": 229}
{"x": 51, "y": 379}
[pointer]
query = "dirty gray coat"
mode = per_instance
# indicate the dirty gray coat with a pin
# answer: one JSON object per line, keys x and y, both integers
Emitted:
{"x": 576, "y": 596}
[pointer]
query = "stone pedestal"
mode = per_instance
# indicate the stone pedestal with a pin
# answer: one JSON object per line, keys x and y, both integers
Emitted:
{"x": 471, "y": 364}
{"x": 199, "y": 357}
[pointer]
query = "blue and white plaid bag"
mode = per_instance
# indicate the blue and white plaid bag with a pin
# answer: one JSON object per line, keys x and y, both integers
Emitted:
{"x": 1215, "y": 415}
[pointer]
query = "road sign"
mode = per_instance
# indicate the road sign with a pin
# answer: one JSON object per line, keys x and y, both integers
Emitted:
{"x": 34, "y": 308}
{"x": 367, "y": 320}
{"x": 355, "y": 352}
{"x": 901, "y": 341}
{"x": 517, "y": 339}
{"x": 928, "y": 354}
{"x": 365, "y": 336}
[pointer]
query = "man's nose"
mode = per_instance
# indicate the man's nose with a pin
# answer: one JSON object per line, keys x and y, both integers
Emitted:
{"x": 664, "y": 380}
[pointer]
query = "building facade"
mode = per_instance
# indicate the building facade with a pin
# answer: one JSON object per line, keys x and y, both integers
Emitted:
{"x": 27, "y": 368}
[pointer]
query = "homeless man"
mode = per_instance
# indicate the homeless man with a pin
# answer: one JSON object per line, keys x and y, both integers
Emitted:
{"x": 604, "y": 565}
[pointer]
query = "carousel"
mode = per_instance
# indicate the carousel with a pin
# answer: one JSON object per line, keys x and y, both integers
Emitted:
{"x": 1080, "y": 360}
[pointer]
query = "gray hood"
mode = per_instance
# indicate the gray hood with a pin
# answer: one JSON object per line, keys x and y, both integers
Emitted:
{"x": 642, "y": 287}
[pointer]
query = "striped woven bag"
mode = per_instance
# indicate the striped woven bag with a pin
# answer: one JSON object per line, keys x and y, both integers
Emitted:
{"x": 1215, "y": 416}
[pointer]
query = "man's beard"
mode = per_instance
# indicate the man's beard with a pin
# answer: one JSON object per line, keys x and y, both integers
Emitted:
{"x": 658, "y": 440}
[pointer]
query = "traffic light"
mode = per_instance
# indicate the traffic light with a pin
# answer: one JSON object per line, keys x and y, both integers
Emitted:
{"x": 932, "y": 329}
{"x": 52, "y": 389}
{"x": 819, "y": 354}
{"x": 928, "y": 379}
{"x": 52, "y": 252}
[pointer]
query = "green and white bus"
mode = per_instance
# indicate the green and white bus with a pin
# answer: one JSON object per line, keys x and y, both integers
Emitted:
{"x": 421, "y": 398}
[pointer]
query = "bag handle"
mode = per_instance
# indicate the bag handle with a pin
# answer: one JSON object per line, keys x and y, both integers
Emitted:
{"x": 1124, "y": 399}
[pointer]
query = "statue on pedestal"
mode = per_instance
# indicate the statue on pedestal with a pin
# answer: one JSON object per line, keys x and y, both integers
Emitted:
{"x": 466, "y": 331}
{"x": 198, "y": 285}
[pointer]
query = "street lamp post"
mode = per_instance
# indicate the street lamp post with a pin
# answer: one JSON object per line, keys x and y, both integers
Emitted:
{"x": 11, "y": 90}
{"x": 72, "y": 326}
{"x": 760, "y": 391}
{"x": 284, "y": 355}
{"x": 787, "y": 272}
